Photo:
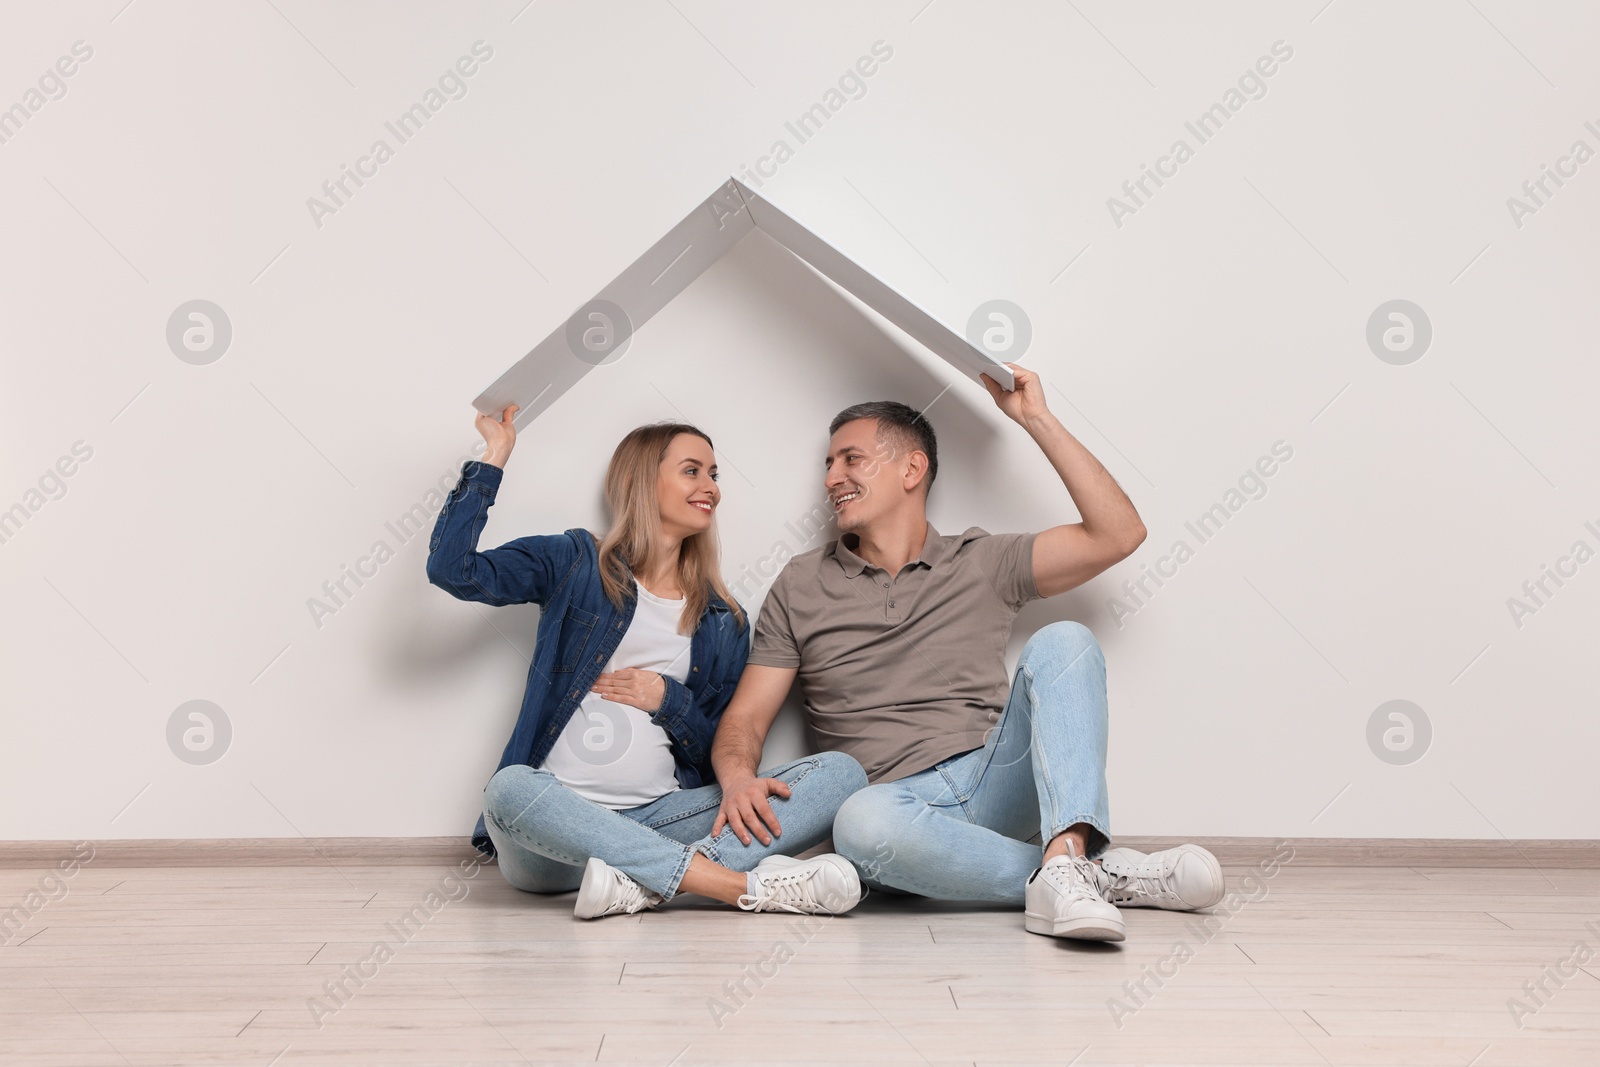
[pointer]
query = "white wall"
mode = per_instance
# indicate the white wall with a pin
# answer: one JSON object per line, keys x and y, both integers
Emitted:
{"x": 1228, "y": 312}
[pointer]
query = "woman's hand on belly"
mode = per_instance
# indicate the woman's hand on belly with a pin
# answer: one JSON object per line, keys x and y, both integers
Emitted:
{"x": 641, "y": 689}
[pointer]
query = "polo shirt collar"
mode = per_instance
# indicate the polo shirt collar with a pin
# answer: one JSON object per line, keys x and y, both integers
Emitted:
{"x": 853, "y": 565}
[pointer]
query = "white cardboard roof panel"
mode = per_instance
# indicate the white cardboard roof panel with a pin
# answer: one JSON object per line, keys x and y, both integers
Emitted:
{"x": 556, "y": 363}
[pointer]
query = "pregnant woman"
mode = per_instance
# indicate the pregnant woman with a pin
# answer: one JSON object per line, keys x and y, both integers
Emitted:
{"x": 606, "y": 784}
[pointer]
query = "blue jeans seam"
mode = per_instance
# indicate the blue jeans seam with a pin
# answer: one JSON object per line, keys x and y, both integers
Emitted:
{"x": 708, "y": 847}
{"x": 1041, "y": 766}
{"x": 960, "y": 796}
{"x": 950, "y": 785}
{"x": 679, "y": 816}
{"x": 686, "y": 854}
{"x": 809, "y": 763}
{"x": 681, "y": 870}
{"x": 989, "y": 751}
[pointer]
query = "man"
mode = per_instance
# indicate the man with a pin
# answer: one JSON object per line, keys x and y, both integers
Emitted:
{"x": 898, "y": 635}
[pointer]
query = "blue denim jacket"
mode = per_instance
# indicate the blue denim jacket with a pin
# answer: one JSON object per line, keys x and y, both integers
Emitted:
{"x": 578, "y": 631}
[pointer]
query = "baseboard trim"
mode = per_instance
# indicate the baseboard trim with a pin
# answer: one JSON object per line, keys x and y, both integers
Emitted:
{"x": 1395, "y": 851}
{"x": 247, "y": 852}
{"x": 448, "y": 851}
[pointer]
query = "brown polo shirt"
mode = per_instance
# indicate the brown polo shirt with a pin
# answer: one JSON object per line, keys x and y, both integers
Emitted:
{"x": 903, "y": 670}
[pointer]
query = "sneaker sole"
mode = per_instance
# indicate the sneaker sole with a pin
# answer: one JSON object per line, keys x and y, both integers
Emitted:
{"x": 1087, "y": 929}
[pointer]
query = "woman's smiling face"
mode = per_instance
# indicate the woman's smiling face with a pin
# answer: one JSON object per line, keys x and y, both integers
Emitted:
{"x": 686, "y": 487}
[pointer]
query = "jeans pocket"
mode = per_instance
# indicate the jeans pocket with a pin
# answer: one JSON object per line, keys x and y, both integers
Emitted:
{"x": 958, "y": 777}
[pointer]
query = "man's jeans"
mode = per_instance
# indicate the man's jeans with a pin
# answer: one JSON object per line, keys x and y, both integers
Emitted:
{"x": 965, "y": 828}
{"x": 544, "y": 833}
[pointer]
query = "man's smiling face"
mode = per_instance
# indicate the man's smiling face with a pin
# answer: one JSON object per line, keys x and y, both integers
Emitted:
{"x": 864, "y": 475}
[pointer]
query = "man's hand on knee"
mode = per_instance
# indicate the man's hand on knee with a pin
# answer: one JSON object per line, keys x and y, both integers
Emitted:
{"x": 746, "y": 812}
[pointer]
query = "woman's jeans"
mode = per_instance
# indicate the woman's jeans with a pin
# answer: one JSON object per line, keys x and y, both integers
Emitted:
{"x": 544, "y": 833}
{"x": 973, "y": 826}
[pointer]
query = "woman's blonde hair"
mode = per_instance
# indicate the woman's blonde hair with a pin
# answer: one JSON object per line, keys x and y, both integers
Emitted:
{"x": 631, "y": 482}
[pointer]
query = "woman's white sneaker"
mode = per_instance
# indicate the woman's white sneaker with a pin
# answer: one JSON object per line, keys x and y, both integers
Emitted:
{"x": 607, "y": 891}
{"x": 823, "y": 885}
{"x": 1063, "y": 900}
{"x": 1179, "y": 879}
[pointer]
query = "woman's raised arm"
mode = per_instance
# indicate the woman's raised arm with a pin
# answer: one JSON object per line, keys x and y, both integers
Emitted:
{"x": 526, "y": 570}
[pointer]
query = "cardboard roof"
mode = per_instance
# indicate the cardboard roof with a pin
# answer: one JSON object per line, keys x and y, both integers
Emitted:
{"x": 599, "y": 329}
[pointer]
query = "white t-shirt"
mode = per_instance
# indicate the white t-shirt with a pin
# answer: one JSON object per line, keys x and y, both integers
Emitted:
{"x": 611, "y": 753}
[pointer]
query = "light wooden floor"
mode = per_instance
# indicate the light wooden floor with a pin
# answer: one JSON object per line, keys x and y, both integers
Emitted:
{"x": 1332, "y": 965}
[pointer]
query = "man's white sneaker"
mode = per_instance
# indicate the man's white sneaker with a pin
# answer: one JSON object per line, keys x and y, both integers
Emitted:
{"x": 823, "y": 885}
{"x": 1179, "y": 879}
{"x": 607, "y": 891}
{"x": 1063, "y": 900}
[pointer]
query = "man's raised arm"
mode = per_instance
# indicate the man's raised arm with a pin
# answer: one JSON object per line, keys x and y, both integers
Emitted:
{"x": 736, "y": 753}
{"x": 1069, "y": 555}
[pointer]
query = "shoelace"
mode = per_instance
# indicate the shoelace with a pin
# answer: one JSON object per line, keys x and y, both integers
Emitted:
{"x": 632, "y": 896}
{"x": 1081, "y": 881}
{"x": 785, "y": 892}
{"x": 1146, "y": 881}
